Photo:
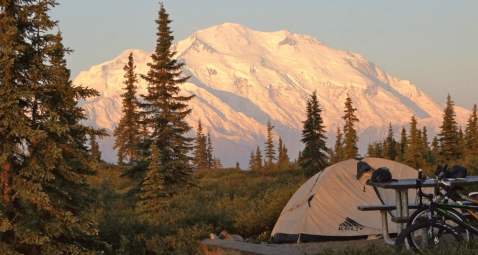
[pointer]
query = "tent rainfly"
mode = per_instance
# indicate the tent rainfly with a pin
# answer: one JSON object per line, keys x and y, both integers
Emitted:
{"x": 325, "y": 207}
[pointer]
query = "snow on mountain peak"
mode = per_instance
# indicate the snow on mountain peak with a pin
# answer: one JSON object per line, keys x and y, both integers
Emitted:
{"x": 242, "y": 78}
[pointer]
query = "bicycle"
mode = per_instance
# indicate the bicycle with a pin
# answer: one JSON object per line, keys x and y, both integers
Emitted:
{"x": 422, "y": 213}
{"x": 434, "y": 230}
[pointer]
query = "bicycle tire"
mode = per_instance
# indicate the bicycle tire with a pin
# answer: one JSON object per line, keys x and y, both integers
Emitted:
{"x": 419, "y": 238}
{"x": 421, "y": 215}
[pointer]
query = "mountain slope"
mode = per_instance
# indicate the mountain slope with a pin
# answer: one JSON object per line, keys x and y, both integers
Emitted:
{"x": 242, "y": 78}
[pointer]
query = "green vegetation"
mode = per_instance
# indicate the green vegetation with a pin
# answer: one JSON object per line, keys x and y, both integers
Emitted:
{"x": 57, "y": 197}
{"x": 467, "y": 248}
{"x": 451, "y": 146}
{"x": 247, "y": 203}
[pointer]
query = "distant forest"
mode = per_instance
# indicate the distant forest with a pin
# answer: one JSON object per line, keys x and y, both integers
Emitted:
{"x": 167, "y": 191}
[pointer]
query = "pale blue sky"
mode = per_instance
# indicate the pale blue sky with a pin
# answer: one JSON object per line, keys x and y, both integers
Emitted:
{"x": 432, "y": 43}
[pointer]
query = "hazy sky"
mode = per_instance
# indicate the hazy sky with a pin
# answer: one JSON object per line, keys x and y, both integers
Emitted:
{"x": 432, "y": 43}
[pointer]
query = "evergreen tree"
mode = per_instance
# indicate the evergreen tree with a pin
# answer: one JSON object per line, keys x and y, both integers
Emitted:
{"x": 165, "y": 112}
{"x": 448, "y": 138}
{"x": 425, "y": 146}
{"x": 420, "y": 140}
{"x": 370, "y": 151}
{"x": 378, "y": 149}
{"x": 280, "y": 151}
{"x": 200, "y": 149}
{"x": 390, "y": 145}
{"x": 216, "y": 164}
{"x": 128, "y": 131}
{"x": 461, "y": 142}
{"x": 44, "y": 197}
{"x": 413, "y": 152}
{"x": 435, "y": 146}
{"x": 258, "y": 159}
{"x": 238, "y": 166}
{"x": 427, "y": 153}
{"x": 252, "y": 161}
{"x": 403, "y": 145}
{"x": 314, "y": 155}
{"x": 283, "y": 156}
{"x": 375, "y": 150}
{"x": 471, "y": 133}
{"x": 95, "y": 148}
{"x": 209, "y": 152}
{"x": 350, "y": 134}
{"x": 153, "y": 191}
{"x": 338, "y": 154}
{"x": 270, "y": 152}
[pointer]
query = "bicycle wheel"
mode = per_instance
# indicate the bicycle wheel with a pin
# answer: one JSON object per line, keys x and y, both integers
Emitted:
{"x": 429, "y": 236}
{"x": 421, "y": 215}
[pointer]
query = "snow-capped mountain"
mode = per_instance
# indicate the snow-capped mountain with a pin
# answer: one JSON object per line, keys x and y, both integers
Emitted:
{"x": 241, "y": 78}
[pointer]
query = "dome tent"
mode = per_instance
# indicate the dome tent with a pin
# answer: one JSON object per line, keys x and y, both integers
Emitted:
{"x": 325, "y": 207}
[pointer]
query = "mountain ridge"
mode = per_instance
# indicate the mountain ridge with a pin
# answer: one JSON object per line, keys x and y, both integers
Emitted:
{"x": 242, "y": 78}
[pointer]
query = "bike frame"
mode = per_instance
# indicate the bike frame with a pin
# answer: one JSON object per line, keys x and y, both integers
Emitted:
{"x": 441, "y": 209}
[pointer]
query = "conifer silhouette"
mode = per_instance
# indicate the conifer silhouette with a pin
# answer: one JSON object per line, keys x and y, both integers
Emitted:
{"x": 314, "y": 157}
{"x": 128, "y": 131}
{"x": 44, "y": 159}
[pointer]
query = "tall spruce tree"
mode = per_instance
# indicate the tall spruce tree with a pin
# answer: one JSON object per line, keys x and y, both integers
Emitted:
{"x": 270, "y": 152}
{"x": 427, "y": 153}
{"x": 413, "y": 152}
{"x": 435, "y": 146}
{"x": 390, "y": 151}
{"x": 314, "y": 156}
{"x": 165, "y": 112}
{"x": 200, "y": 149}
{"x": 461, "y": 142}
{"x": 426, "y": 146}
{"x": 403, "y": 145}
{"x": 338, "y": 152}
{"x": 283, "y": 159}
{"x": 128, "y": 132}
{"x": 95, "y": 148}
{"x": 44, "y": 160}
{"x": 471, "y": 133}
{"x": 448, "y": 137}
{"x": 258, "y": 159}
{"x": 209, "y": 152}
{"x": 350, "y": 133}
{"x": 252, "y": 161}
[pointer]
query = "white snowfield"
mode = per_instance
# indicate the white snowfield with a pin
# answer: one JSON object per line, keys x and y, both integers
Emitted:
{"x": 242, "y": 78}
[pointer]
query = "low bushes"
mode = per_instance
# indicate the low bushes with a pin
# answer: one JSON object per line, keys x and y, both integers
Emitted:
{"x": 247, "y": 203}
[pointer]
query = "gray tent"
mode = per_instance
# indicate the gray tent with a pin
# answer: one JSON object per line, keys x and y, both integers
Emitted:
{"x": 325, "y": 207}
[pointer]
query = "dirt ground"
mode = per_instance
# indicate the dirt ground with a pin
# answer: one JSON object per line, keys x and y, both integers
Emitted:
{"x": 314, "y": 248}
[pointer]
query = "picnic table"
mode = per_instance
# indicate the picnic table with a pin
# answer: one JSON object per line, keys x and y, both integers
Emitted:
{"x": 402, "y": 206}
